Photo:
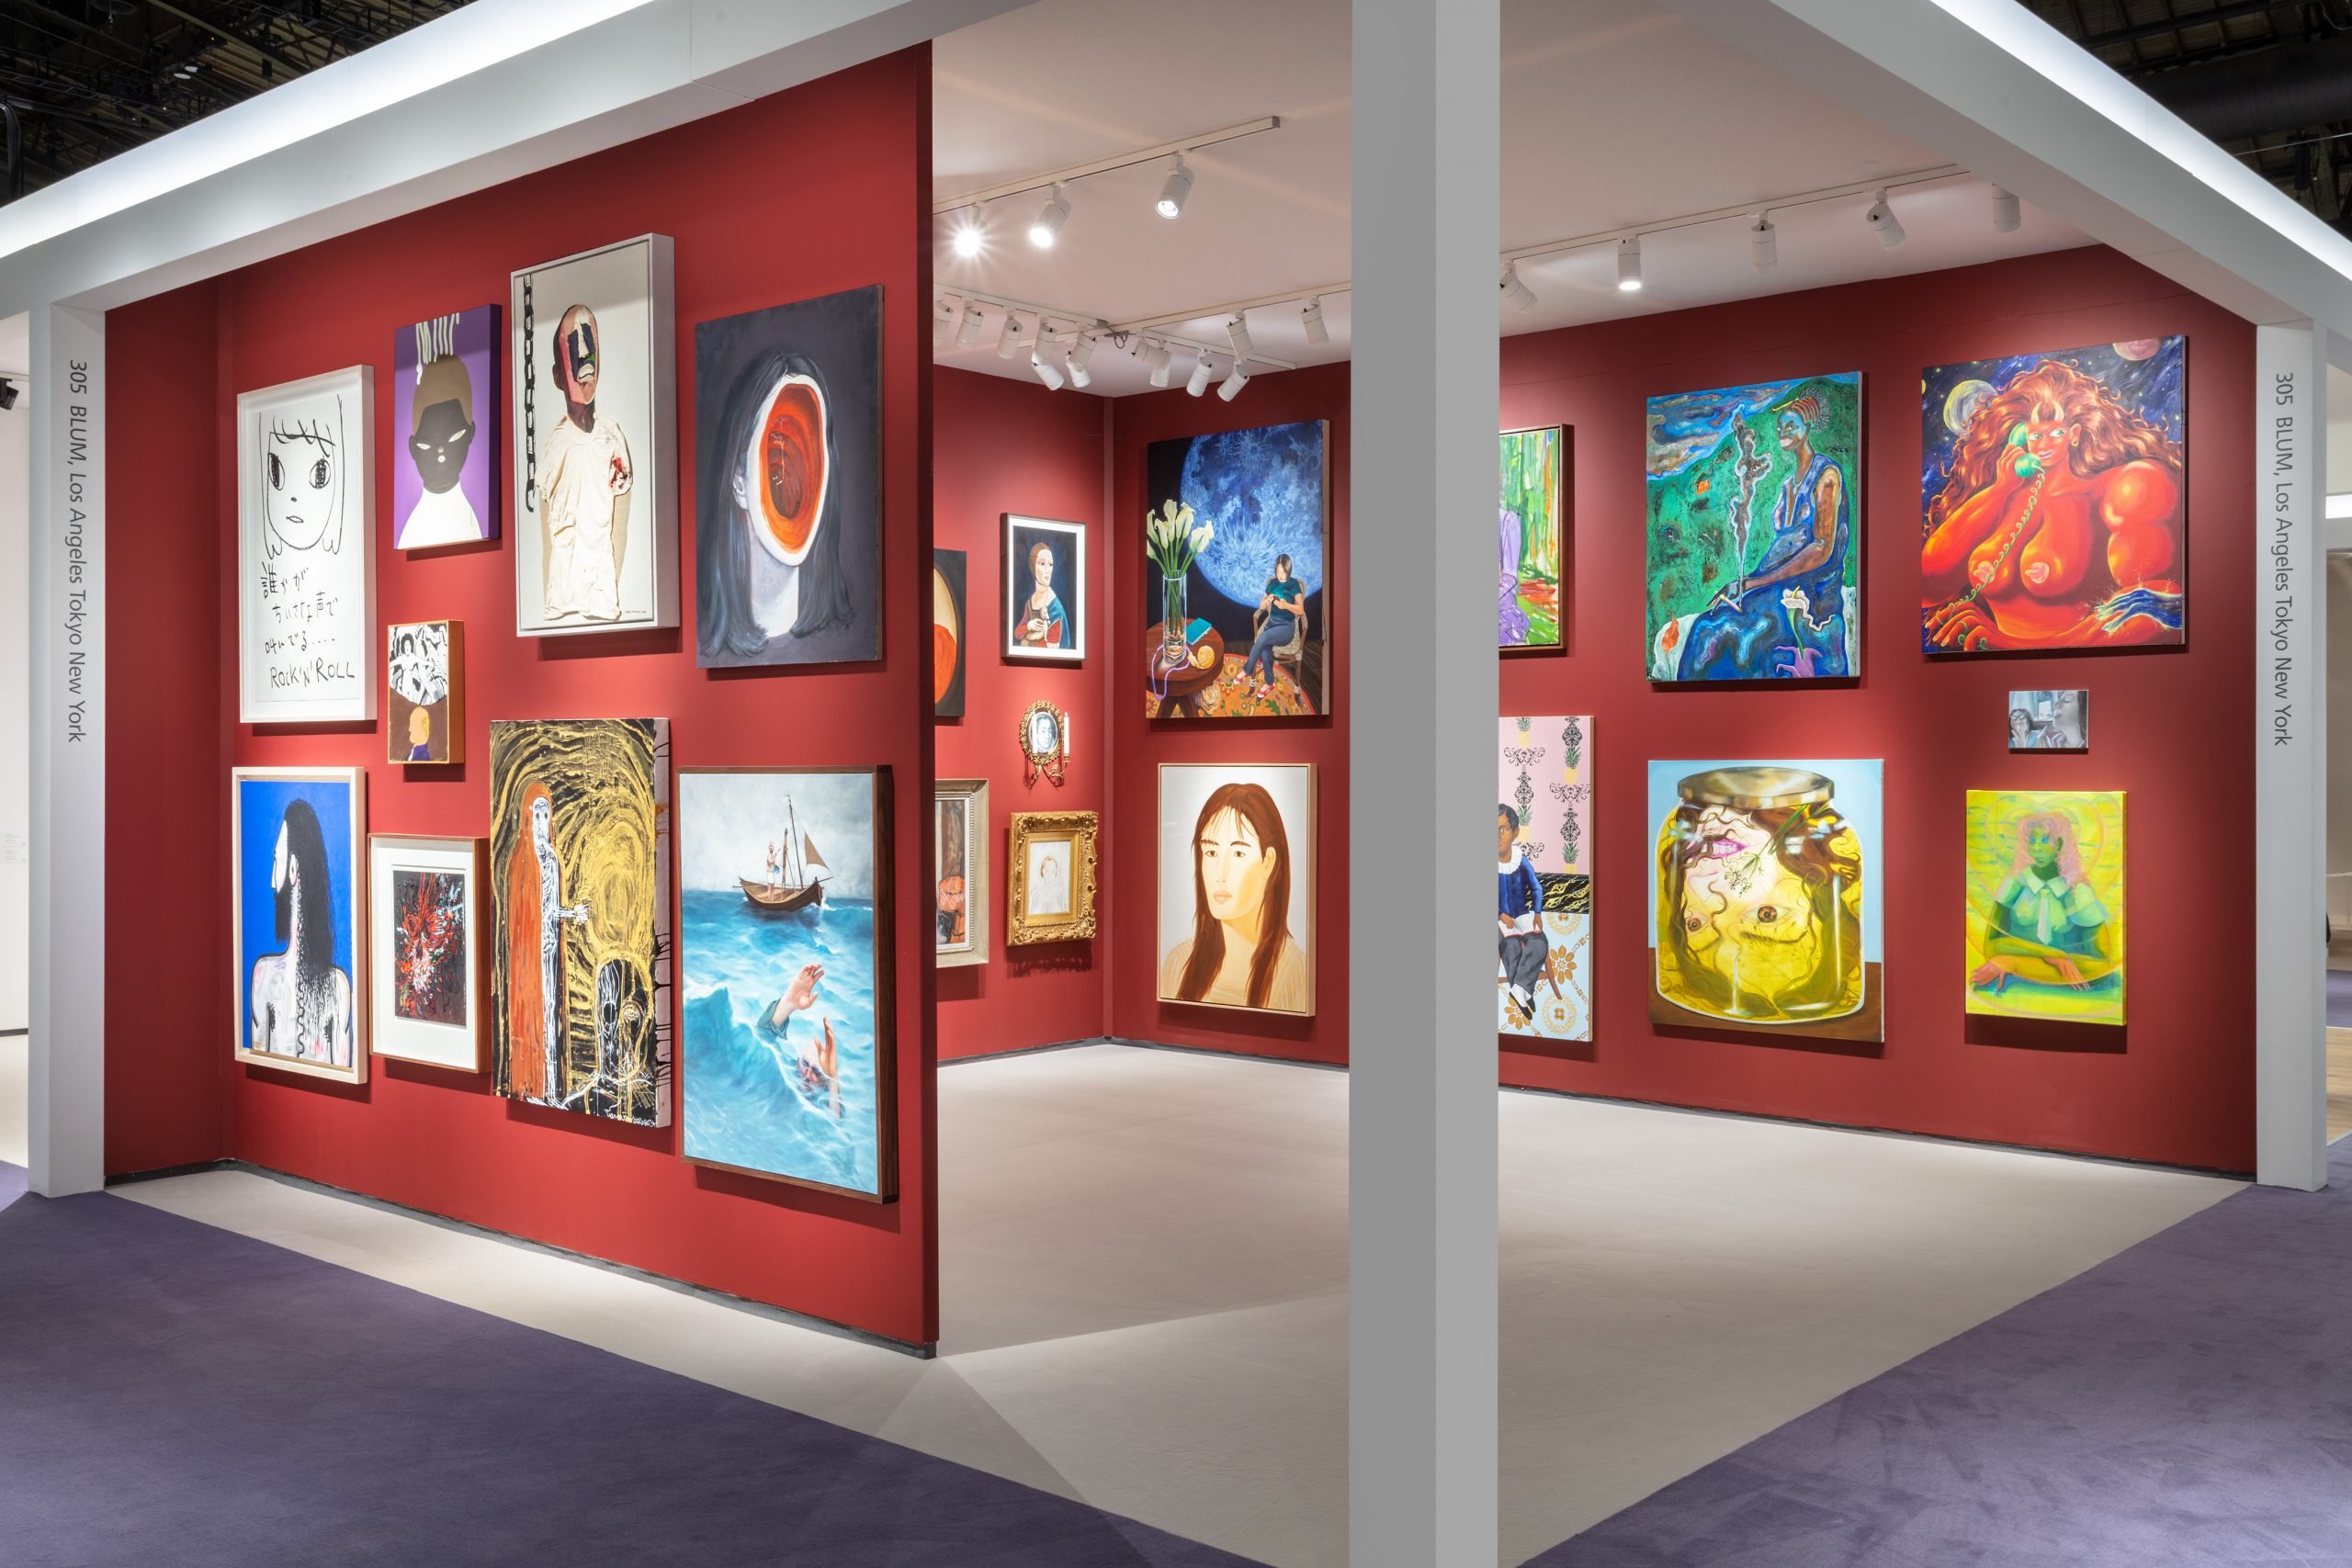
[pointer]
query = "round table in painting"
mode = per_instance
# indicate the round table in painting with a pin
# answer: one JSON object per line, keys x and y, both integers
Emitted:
{"x": 1177, "y": 689}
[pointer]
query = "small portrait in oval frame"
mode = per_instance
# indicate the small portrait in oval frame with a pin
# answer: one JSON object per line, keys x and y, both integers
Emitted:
{"x": 1045, "y": 740}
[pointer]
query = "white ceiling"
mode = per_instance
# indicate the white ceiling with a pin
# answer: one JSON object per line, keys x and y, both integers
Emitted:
{"x": 1588, "y": 147}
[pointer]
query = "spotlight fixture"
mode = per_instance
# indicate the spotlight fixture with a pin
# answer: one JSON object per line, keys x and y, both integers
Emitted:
{"x": 1008, "y": 336}
{"x": 1162, "y": 362}
{"x": 1313, "y": 317}
{"x": 1629, "y": 264}
{"x": 1237, "y": 332}
{"x": 1177, "y": 187}
{"x": 1763, "y": 243}
{"x": 1080, "y": 352}
{"x": 1515, "y": 290}
{"x": 942, "y": 316}
{"x": 8, "y": 394}
{"x": 1050, "y": 219}
{"x": 1199, "y": 381}
{"x": 967, "y": 243}
{"x": 969, "y": 332}
{"x": 1044, "y": 367}
{"x": 2005, "y": 211}
{"x": 1234, "y": 381}
{"x": 1884, "y": 222}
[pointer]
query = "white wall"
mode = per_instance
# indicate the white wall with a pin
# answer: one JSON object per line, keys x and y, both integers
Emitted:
{"x": 15, "y": 731}
{"x": 2339, "y": 743}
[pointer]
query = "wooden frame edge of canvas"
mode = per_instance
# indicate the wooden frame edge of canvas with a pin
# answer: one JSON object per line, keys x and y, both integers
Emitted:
{"x": 975, "y": 791}
{"x": 661, "y": 299}
{"x": 476, "y": 905}
{"x": 1084, "y": 828}
{"x": 1314, "y": 891}
{"x": 362, "y": 473}
{"x": 885, "y": 1032}
{"x": 1008, "y": 650}
{"x": 356, "y": 779}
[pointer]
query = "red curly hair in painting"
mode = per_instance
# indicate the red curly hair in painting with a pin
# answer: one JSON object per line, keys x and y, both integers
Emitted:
{"x": 2112, "y": 434}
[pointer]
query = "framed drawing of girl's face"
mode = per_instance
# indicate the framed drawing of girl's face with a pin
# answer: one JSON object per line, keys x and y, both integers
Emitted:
{"x": 1045, "y": 590}
{"x": 1052, "y": 895}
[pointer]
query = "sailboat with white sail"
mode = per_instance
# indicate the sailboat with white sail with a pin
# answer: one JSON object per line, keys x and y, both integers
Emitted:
{"x": 800, "y": 887}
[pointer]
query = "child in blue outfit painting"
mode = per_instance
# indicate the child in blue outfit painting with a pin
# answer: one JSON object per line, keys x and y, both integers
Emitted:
{"x": 1280, "y": 603}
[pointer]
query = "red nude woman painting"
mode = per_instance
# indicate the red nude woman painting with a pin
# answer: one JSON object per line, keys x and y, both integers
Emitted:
{"x": 2056, "y": 516}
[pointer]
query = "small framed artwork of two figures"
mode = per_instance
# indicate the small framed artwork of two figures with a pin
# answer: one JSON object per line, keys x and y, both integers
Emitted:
{"x": 424, "y": 694}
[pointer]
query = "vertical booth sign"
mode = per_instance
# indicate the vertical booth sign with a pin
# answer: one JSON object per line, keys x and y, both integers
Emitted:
{"x": 69, "y": 759}
{"x": 2290, "y": 756}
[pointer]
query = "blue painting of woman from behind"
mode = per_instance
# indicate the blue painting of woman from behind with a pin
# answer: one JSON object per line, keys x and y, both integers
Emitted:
{"x": 1785, "y": 616}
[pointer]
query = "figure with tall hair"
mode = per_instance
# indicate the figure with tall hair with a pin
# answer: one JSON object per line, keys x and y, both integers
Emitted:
{"x": 301, "y": 998}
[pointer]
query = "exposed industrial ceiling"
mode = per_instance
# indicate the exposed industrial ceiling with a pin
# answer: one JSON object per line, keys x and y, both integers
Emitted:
{"x": 90, "y": 78}
{"x": 2269, "y": 80}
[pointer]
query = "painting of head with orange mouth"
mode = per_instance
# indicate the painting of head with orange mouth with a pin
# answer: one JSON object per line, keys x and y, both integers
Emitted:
{"x": 788, "y": 483}
{"x": 2057, "y": 500}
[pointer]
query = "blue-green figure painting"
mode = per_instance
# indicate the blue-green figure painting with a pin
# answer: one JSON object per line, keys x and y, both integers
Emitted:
{"x": 784, "y": 953}
{"x": 1755, "y": 552}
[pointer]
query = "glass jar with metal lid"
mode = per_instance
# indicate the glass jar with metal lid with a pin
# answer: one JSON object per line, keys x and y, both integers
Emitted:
{"x": 1759, "y": 899}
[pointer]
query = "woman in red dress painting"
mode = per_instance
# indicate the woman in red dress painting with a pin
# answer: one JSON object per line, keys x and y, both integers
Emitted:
{"x": 2059, "y": 525}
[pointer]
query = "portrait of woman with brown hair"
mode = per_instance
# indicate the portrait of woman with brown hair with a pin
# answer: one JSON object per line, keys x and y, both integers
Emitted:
{"x": 1241, "y": 952}
{"x": 2058, "y": 520}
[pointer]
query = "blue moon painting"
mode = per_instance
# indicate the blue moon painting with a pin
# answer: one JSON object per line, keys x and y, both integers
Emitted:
{"x": 1235, "y": 527}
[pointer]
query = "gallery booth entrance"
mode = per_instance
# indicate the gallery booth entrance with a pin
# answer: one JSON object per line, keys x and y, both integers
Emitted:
{"x": 859, "y": 775}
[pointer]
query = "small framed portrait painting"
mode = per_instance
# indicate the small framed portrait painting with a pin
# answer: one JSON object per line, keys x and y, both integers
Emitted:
{"x": 426, "y": 691}
{"x": 2049, "y": 721}
{"x": 1052, "y": 895}
{"x": 1045, "y": 590}
{"x": 959, "y": 882}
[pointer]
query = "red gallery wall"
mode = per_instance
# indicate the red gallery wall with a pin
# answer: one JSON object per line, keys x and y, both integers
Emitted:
{"x": 1141, "y": 743}
{"x": 2171, "y": 728}
{"x": 752, "y": 228}
{"x": 1002, "y": 445}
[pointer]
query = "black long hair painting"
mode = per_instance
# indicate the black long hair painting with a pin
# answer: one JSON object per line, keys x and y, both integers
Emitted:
{"x": 788, "y": 483}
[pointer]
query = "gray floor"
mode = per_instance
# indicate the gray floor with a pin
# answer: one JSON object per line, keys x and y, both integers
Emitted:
{"x": 1143, "y": 1271}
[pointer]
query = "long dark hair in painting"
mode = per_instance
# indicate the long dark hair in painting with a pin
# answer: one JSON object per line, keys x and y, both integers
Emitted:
{"x": 305, "y": 919}
{"x": 1250, "y": 804}
{"x": 771, "y": 468}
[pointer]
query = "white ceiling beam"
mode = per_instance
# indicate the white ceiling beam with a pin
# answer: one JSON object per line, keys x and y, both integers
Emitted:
{"x": 1991, "y": 85}
{"x": 498, "y": 89}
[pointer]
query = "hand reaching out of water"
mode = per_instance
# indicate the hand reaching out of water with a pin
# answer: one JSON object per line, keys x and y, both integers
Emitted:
{"x": 801, "y": 995}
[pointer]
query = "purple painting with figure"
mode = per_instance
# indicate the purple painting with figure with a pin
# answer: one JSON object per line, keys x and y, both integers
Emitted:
{"x": 444, "y": 417}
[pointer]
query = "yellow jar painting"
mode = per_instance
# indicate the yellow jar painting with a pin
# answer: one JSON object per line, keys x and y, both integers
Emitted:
{"x": 1761, "y": 915}
{"x": 2045, "y": 904}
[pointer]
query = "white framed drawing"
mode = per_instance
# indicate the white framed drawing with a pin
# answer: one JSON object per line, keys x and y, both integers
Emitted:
{"x": 306, "y": 550}
{"x": 426, "y": 943}
{"x": 592, "y": 345}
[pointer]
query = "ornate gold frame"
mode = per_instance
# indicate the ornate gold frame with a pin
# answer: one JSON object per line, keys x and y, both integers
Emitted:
{"x": 1077, "y": 829}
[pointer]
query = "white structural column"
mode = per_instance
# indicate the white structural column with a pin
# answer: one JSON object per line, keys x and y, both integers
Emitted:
{"x": 2290, "y": 757}
{"x": 1422, "y": 1141}
{"x": 67, "y": 1088}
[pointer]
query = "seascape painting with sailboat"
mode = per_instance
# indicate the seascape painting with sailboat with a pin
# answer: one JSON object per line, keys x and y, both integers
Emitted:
{"x": 784, "y": 1045}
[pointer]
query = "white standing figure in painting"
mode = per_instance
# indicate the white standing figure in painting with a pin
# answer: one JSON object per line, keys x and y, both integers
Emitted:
{"x": 301, "y": 999}
{"x": 585, "y": 473}
{"x": 301, "y": 465}
{"x": 552, "y": 914}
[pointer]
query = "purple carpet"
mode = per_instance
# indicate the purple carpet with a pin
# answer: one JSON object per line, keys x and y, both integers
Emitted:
{"x": 2339, "y": 998}
{"x": 2187, "y": 1402}
{"x": 174, "y": 1394}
